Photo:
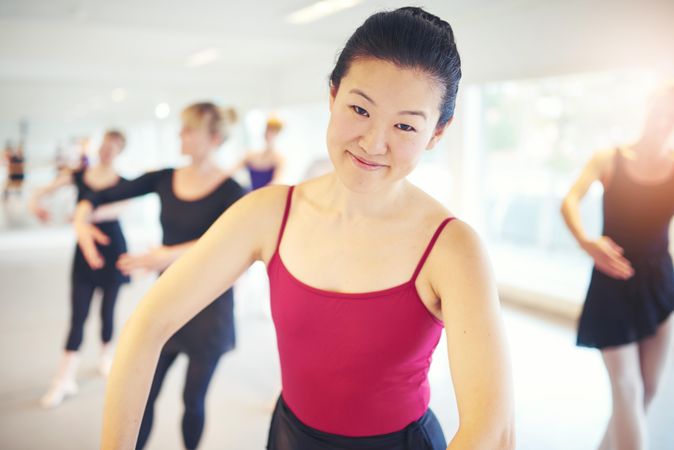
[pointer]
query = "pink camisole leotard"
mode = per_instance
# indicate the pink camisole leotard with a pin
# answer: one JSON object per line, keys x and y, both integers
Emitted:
{"x": 353, "y": 364}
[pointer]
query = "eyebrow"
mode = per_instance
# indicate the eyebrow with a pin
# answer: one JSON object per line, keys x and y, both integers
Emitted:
{"x": 366, "y": 97}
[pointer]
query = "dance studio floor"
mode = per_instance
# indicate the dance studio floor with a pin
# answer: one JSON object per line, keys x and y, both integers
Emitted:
{"x": 562, "y": 398}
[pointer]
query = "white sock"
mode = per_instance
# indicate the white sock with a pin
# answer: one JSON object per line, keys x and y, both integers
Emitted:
{"x": 64, "y": 383}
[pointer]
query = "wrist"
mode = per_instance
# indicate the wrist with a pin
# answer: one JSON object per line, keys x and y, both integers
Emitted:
{"x": 170, "y": 254}
{"x": 584, "y": 242}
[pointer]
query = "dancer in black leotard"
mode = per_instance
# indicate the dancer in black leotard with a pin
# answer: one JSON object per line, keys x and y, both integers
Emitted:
{"x": 191, "y": 199}
{"x": 85, "y": 280}
{"x": 631, "y": 295}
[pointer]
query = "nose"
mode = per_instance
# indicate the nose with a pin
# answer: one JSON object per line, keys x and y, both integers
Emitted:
{"x": 373, "y": 141}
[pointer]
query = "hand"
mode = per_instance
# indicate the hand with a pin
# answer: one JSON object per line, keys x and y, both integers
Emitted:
{"x": 608, "y": 258}
{"x": 156, "y": 260}
{"x": 87, "y": 237}
{"x": 39, "y": 212}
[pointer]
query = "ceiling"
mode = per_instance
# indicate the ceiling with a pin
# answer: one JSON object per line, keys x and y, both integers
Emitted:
{"x": 61, "y": 60}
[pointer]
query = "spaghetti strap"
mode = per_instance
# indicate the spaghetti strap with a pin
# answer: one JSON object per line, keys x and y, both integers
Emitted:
{"x": 430, "y": 247}
{"x": 289, "y": 200}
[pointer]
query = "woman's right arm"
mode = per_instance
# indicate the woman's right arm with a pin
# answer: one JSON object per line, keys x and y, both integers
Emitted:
{"x": 607, "y": 255}
{"x": 64, "y": 179}
{"x": 246, "y": 232}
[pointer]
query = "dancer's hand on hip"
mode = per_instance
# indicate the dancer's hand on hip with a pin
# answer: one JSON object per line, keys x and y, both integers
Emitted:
{"x": 608, "y": 258}
{"x": 87, "y": 237}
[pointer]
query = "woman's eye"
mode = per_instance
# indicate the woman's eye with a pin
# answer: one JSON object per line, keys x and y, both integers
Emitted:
{"x": 360, "y": 111}
{"x": 405, "y": 127}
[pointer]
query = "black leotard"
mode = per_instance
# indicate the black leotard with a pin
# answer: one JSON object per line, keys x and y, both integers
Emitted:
{"x": 212, "y": 330}
{"x": 109, "y": 274}
{"x": 636, "y": 217}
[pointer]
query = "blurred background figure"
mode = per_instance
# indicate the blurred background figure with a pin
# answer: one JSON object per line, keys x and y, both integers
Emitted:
{"x": 265, "y": 166}
{"x": 83, "y": 146}
{"x": 192, "y": 198}
{"x": 627, "y": 311}
{"x": 15, "y": 161}
{"x": 84, "y": 280}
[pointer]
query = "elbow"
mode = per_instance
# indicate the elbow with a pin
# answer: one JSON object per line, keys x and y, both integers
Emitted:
{"x": 501, "y": 437}
{"x": 140, "y": 330}
{"x": 506, "y": 438}
{"x": 566, "y": 204}
{"x": 495, "y": 436}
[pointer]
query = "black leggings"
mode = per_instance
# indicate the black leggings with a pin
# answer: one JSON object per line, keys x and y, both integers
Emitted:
{"x": 80, "y": 300}
{"x": 199, "y": 373}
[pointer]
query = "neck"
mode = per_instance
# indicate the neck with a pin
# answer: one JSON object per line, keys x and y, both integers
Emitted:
{"x": 353, "y": 206}
{"x": 204, "y": 164}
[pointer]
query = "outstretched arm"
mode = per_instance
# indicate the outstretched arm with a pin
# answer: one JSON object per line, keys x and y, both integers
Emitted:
{"x": 244, "y": 233}
{"x": 64, "y": 179}
{"x": 477, "y": 345}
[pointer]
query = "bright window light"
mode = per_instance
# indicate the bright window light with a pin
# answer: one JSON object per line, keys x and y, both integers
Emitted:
{"x": 319, "y": 10}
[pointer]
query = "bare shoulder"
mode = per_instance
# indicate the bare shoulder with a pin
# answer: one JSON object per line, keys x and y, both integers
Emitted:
{"x": 267, "y": 203}
{"x": 263, "y": 210}
{"x": 602, "y": 160}
{"x": 460, "y": 273}
{"x": 459, "y": 241}
{"x": 432, "y": 209}
{"x": 313, "y": 191}
{"x": 459, "y": 258}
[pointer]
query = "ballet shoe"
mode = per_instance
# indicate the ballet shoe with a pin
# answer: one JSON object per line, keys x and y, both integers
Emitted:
{"x": 58, "y": 391}
{"x": 105, "y": 364}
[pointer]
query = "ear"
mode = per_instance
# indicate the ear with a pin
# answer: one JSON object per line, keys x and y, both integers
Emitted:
{"x": 217, "y": 139}
{"x": 438, "y": 133}
{"x": 333, "y": 94}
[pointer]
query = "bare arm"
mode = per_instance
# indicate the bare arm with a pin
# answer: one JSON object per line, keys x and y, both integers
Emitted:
{"x": 111, "y": 211}
{"x": 476, "y": 342}
{"x": 239, "y": 165}
{"x": 608, "y": 255}
{"x": 244, "y": 233}
{"x": 593, "y": 171}
{"x": 155, "y": 260}
{"x": 64, "y": 179}
{"x": 279, "y": 168}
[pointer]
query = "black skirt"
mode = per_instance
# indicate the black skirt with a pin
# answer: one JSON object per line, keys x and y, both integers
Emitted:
{"x": 619, "y": 312}
{"x": 286, "y": 432}
{"x": 108, "y": 274}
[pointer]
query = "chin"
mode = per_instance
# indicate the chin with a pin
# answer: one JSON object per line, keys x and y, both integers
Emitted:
{"x": 361, "y": 183}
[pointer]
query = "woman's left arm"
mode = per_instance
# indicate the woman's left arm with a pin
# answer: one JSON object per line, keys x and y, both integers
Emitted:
{"x": 462, "y": 277}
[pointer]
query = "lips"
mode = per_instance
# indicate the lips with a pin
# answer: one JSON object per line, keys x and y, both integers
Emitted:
{"x": 364, "y": 163}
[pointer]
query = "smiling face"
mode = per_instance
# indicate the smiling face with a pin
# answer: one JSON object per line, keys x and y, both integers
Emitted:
{"x": 196, "y": 140}
{"x": 382, "y": 119}
{"x": 660, "y": 120}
